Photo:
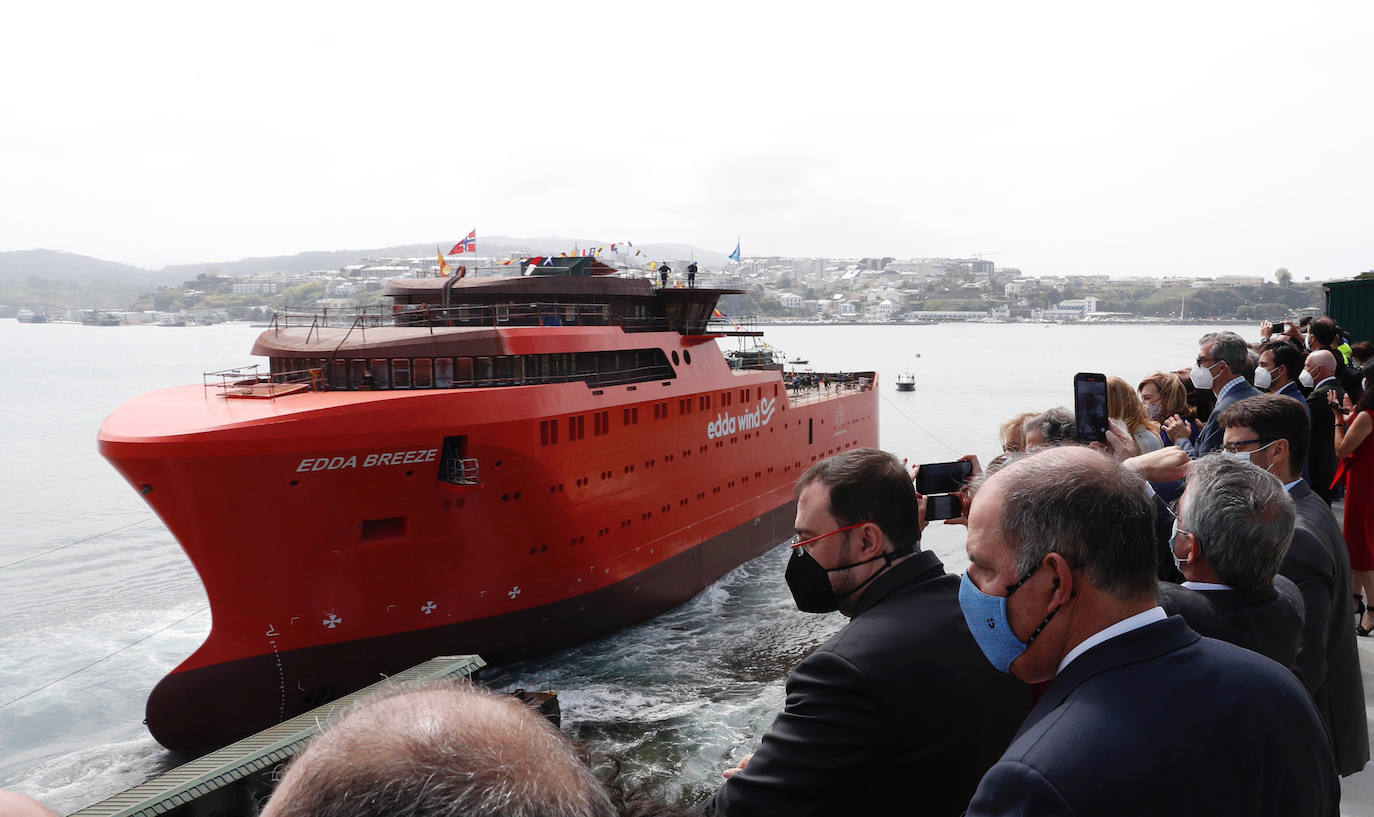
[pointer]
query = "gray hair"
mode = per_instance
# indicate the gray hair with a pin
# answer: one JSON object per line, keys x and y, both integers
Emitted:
{"x": 1227, "y": 347}
{"x": 1084, "y": 506}
{"x": 1056, "y": 425}
{"x": 441, "y": 749}
{"x": 1242, "y": 517}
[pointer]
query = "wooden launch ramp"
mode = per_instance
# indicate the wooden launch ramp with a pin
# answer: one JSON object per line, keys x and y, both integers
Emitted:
{"x": 229, "y": 781}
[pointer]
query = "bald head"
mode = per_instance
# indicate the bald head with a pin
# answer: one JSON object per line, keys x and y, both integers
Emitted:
{"x": 1084, "y": 506}
{"x": 14, "y": 804}
{"x": 440, "y": 750}
{"x": 1321, "y": 364}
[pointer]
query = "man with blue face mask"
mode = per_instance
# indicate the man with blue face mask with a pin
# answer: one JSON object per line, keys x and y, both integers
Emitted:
{"x": 899, "y": 705}
{"x": 1142, "y": 716}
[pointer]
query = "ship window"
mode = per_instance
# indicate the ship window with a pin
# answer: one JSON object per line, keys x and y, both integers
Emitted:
{"x": 400, "y": 373}
{"x": 502, "y": 370}
{"x": 422, "y": 374}
{"x": 481, "y": 371}
{"x": 687, "y": 357}
{"x": 462, "y": 371}
{"x": 357, "y": 374}
{"x": 374, "y": 529}
{"x": 443, "y": 372}
{"x": 634, "y": 415}
{"x": 675, "y": 358}
{"x": 381, "y": 374}
{"x": 338, "y": 374}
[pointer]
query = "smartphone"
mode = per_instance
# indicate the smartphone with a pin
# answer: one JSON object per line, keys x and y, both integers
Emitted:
{"x": 1090, "y": 406}
{"x": 943, "y": 477}
{"x": 944, "y": 506}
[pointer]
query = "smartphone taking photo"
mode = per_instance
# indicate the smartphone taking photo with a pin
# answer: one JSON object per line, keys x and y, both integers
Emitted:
{"x": 943, "y": 506}
{"x": 943, "y": 477}
{"x": 1090, "y": 406}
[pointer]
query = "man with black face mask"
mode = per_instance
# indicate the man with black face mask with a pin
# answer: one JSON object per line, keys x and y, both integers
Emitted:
{"x": 899, "y": 705}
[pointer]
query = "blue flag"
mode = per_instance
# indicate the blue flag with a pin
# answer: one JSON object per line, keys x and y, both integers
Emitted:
{"x": 734, "y": 256}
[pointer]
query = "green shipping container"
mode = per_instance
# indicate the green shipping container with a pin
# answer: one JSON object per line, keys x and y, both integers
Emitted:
{"x": 1351, "y": 303}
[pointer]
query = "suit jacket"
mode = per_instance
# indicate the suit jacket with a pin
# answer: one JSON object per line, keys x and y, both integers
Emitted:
{"x": 1162, "y": 721}
{"x": 1292, "y": 390}
{"x": 1210, "y": 438}
{"x": 1267, "y": 621}
{"x": 898, "y": 706}
{"x": 1328, "y": 661}
{"x": 1321, "y": 454}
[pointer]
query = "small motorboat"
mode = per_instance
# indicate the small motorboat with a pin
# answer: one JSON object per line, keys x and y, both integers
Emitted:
{"x": 906, "y": 381}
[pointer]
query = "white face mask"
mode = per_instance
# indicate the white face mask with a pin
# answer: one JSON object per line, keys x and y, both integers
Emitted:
{"x": 1202, "y": 378}
{"x": 1153, "y": 410}
{"x": 1173, "y": 535}
{"x": 1245, "y": 455}
{"x": 1306, "y": 379}
{"x": 1263, "y": 379}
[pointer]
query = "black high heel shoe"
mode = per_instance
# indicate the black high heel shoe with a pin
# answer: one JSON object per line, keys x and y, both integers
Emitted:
{"x": 1360, "y": 607}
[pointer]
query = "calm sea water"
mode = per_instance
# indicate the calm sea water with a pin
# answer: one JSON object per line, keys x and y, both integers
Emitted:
{"x": 97, "y": 601}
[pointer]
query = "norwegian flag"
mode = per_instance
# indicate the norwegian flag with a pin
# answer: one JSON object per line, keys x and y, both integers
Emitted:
{"x": 468, "y": 244}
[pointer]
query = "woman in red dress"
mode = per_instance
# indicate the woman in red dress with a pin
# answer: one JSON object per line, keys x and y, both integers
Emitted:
{"x": 1356, "y": 450}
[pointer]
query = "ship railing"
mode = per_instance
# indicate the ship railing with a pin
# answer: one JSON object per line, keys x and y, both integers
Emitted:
{"x": 735, "y": 327}
{"x": 459, "y": 315}
{"x": 461, "y": 471}
{"x": 251, "y": 381}
{"x": 812, "y": 387}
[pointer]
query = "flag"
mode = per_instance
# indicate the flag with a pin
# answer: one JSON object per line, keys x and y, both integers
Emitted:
{"x": 717, "y": 313}
{"x": 443, "y": 265}
{"x": 468, "y": 244}
{"x": 734, "y": 256}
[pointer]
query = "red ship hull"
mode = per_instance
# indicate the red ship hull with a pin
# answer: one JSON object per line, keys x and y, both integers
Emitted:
{"x": 332, "y": 555}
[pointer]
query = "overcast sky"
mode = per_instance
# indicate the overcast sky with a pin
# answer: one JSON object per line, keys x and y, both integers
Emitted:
{"x": 1165, "y": 138}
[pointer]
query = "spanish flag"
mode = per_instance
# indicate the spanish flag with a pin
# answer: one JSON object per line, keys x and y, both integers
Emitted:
{"x": 443, "y": 264}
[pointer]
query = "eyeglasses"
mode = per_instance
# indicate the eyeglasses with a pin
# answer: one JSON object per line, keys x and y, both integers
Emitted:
{"x": 796, "y": 541}
{"x": 1235, "y": 447}
{"x": 1172, "y": 508}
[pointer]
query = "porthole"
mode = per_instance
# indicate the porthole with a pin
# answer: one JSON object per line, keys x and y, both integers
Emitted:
{"x": 675, "y": 359}
{"x": 687, "y": 356}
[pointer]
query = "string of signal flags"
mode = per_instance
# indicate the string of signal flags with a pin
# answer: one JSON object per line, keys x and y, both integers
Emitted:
{"x": 469, "y": 244}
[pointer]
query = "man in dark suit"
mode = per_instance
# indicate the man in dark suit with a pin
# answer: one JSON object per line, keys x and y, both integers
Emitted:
{"x": 1273, "y": 433}
{"x": 900, "y": 704}
{"x": 1221, "y": 358}
{"x": 1142, "y": 716}
{"x": 1233, "y": 527}
{"x": 1320, "y": 371}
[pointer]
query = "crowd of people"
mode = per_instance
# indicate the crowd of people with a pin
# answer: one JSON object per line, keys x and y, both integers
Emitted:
{"x": 1160, "y": 623}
